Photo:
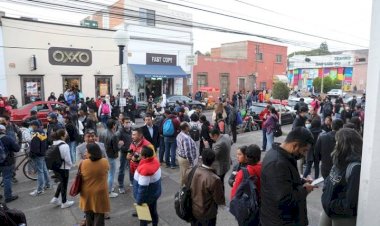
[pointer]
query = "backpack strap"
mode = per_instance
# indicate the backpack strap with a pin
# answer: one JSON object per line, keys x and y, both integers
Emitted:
{"x": 349, "y": 169}
{"x": 190, "y": 177}
{"x": 245, "y": 173}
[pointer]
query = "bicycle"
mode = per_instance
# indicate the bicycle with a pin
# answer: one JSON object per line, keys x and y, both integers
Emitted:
{"x": 29, "y": 168}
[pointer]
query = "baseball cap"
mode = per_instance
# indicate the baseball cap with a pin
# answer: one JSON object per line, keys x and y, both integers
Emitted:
{"x": 52, "y": 115}
{"x": 34, "y": 123}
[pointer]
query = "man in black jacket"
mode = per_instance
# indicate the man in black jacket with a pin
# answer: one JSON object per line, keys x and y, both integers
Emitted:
{"x": 53, "y": 126}
{"x": 6, "y": 166}
{"x": 125, "y": 139}
{"x": 300, "y": 119}
{"x": 151, "y": 132}
{"x": 111, "y": 142}
{"x": 325, "y": 146}
{"x": 38, "y": 146}
{"x": 299, "y": 105}
{"x": 283, "y": 193}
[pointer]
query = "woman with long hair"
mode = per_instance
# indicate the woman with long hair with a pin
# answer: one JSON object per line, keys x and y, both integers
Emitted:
{"x": 94, "y": 200}
{"x": 63, "y": 172}
{"x": 241, "y": 156}
{"x": 12, "y": 101}
{"x": 219, "y": 109}
{"x": 341, "y": 189}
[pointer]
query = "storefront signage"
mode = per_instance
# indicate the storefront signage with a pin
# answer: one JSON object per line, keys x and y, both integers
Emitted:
{"x": 161, "y": 59}
{"x": 70, "y": 56}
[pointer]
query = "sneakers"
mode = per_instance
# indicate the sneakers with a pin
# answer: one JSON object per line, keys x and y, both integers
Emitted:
{"x": 121, "y": 190}
{"x": 113, "y": 195}
{"x": 55, "y": 201}
{"x": 37, "y": 193}
{"x": 67, "y": 204}
{"x": 12, "y": 198}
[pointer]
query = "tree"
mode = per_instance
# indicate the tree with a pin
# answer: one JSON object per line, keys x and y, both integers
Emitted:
{"x": 280, "y": 91}
{"x": 207, "y": 53}
{"x": 198, "y": 53}
{"x": 322, "y": 50}
{"x": 328, "y": 84}
{"x": 324, "y": 47}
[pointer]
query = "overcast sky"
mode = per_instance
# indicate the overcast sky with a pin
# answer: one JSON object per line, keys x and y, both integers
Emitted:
{"x": 344, "y": 20}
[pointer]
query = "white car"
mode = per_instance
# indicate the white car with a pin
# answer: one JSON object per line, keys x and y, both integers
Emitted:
{"x": 336, "y": 93}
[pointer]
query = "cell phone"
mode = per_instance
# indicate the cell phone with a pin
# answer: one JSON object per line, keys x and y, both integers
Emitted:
{"x": 317, "y": 181}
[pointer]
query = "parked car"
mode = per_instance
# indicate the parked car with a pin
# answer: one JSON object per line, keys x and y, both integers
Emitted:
{"x": 43, "y": 108}
{"x": 336, "y": 93}
{"x": 287, "y": 114}
{"x": 292, "y": 101}
{"x": 141, "y": 107}
{"x": 172, "y": 99}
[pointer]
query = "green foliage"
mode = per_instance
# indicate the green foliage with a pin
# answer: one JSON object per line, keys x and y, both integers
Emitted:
{"x": 322, "y": 50}
{"x": 328, "y": 84}
{"x": 280, "y": 91}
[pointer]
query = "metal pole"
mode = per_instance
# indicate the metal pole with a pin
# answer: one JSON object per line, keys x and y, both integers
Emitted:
{"x": 323, "y": 76}
{"x": 121, "y": 62}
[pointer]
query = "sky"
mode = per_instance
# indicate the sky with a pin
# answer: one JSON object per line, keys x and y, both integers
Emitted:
{"x": 343, "y": 24}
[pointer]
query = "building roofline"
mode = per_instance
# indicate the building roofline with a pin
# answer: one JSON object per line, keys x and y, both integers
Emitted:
{"x": 54, "y": 23}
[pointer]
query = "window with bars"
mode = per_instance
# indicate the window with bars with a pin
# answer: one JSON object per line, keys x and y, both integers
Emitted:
{"x": 278, "y": 58}
{"x": 259, "y": 56}
{"x": 147, "y": 17}
{"x": 224, "y": 83}
{"x": 202, "y": 80}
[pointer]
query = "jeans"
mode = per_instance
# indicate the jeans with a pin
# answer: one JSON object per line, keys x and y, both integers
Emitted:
{"x": 124, "y": 164}
{"x": 63, "y": 176}
{"x": 170, "y": 150}
{"x": 103, "y": 119}
{"x": 73, "y": 146}
{"x": 43, "y": 173}
{"x": 270, "y": 140}
{"x": 264, "y": 139}
{"x": 111, "y": 173}
{"x": 162, "y": 149}
{"x": 7, "y": 172}
{"x": 308, "y": 169}
{"x": 153, "y": 213}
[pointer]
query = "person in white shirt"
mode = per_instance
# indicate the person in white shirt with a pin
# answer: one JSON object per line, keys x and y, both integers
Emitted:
{"x": 63, "y": 173}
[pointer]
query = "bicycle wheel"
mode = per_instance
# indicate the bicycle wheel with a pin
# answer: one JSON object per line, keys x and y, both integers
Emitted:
{"x": 30, "y": 170}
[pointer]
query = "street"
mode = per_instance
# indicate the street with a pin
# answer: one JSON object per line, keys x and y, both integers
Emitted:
{"x": 40, "y": 213}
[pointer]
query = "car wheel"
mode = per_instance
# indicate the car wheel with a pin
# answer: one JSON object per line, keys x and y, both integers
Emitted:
{"x": 142, "y": 113}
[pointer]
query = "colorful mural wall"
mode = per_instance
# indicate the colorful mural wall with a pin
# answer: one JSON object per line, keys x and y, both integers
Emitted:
{"x": 303, "y": 78}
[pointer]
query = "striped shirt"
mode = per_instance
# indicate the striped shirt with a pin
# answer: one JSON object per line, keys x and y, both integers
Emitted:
{"x": 186, "y": 147}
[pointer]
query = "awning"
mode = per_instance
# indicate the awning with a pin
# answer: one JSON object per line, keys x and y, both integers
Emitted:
{"x": 157, "y": 71}
{"x": 281, "y": 78}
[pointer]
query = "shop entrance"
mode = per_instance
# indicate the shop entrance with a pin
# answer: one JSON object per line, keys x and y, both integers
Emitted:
{"x": 72, "y": 82}
{"x": 32, "y": 88}
{"x": 153, "y": 87}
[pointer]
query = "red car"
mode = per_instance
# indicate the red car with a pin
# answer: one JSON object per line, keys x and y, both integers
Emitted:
{"x": 43, "y": 108}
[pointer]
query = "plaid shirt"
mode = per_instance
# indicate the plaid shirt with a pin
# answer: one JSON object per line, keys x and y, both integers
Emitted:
{"x": 186, "y": 147}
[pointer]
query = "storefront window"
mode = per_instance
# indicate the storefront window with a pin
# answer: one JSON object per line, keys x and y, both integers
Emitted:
{"x": 103, "y": 85}
{"x": 71, "y": 81}
{"x": 32, "y": 87}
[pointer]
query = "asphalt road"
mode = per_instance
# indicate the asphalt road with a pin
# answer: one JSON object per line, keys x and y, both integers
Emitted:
{"x": 40, "y": 213}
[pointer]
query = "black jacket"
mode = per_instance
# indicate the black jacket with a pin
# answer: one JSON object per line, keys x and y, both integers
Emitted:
{"x": 111, "y": 143}
{"x": 72, "y": 131}
{"x": 155, "y": 140}
{"x": 38, "y": 144}
{"x": 126, "y": 137}
{"x": 323, "y": 148}
{"x": 51, "y": 128}
{"x": 235, "y": 170}
{"x": 310, "y": 154}
{"x": 299, "y": 121}
{"x": 283, "y": 198}
{"x": 10, "y": 148}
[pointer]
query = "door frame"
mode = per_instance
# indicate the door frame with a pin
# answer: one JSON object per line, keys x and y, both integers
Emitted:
{"x": 31, "y": 76}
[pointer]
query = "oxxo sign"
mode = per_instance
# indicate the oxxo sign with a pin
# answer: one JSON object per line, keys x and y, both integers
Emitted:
{"x": 161, "y": 59}
{"x": 70, "y": 56}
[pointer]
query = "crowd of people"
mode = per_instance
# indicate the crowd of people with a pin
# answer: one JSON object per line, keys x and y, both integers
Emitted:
{"x": 327, "y": 136}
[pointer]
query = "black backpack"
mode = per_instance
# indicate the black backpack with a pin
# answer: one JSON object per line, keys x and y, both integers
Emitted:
{"x": 194, "y": 133}
{"x": 277, "y": 131}
{"x": 53, "y": 157}
{"x": 11, "y": 217}
{"x": 182, "y": 200}
{"x": 245, "y": 205}
{"x": 327, "y": 109}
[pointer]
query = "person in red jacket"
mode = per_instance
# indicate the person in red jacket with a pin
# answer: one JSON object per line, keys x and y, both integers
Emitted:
{"x": 253, "y": 155}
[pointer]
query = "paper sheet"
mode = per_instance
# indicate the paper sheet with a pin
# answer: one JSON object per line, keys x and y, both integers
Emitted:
{"x": 317, "y": 181}
{"x": 143, "y": 212}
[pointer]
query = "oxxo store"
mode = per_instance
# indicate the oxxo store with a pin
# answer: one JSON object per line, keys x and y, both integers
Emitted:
{"x": 65, "y": 57}
{"x": 159, "y": 75}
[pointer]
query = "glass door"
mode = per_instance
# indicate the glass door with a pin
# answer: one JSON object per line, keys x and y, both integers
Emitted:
{"x": 32, "y": 88}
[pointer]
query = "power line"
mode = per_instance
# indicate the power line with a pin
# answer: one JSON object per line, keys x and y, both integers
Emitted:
{"x": 260, "y": 23}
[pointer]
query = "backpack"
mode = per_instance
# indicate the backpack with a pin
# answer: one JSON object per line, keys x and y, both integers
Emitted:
{"x": 245, "y": 206}
{"x": 333, "y": 186}
{"x": 168, "y": 128}
{"x": 3, "y": 152}
{"x": 182, "y": 200}
{"x": 277, "y": 131}
{"x": 105, "y": 109}
{"x": 194, "y": 133}
{"x": 43, "y": 143}
{"x": 11, "y": 217}
{"x": 239, "y": 119}
{"x": 53, "y": 157}
{"x": 327, "y": 109}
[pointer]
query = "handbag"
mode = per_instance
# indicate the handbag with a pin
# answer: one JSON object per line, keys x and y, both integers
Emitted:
{"x": 77, "y": 185}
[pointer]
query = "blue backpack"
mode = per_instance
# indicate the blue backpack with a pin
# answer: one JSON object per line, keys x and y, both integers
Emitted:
{"x": 168, "y": 128}
{"x": 3, "y": 153}
{"x": 239, "y": 119}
